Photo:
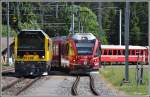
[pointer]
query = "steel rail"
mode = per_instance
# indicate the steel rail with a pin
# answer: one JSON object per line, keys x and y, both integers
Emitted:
{"x": 74, "y": 86}
{"x": 12, "y": 84}
{"x": 92, "y": 86}
{"x": 27, "y": 86}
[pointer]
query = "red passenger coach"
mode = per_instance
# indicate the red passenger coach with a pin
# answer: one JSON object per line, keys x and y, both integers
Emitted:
{"x": 116, "y": 53}
{"x": 79, "y": 52}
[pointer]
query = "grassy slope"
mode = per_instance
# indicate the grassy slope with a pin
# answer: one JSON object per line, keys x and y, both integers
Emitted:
{"x": 115, "y": 76}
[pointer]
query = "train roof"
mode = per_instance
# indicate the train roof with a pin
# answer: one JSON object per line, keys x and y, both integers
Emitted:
{"x": 59, "y": 38}
{"x": 122, "y": 47}
{"x": 79, "y": 36}
{"x": 37, "y": 30}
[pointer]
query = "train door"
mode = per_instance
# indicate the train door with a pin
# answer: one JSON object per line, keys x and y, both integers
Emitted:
{"x": 55, "y": 60}
{"x": 100, "y": 54}
{"x": 97, "y": 57}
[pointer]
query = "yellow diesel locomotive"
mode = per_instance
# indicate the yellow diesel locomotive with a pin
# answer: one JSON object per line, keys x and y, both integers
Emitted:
{"x": 33, "y": 52}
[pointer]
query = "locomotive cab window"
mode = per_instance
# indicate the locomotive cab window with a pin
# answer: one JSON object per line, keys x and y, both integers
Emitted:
{"x": 27, "y": 42}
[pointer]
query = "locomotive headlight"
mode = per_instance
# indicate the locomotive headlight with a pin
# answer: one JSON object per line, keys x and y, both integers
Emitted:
{"x": 43, "y": 57}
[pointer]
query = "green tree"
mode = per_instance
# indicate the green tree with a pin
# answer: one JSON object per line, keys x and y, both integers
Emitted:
{"x": 88, "y": 20}
{"x": 4, "y": 31}
{"x": 135, "y": 36}
{"x": 109, "y": 23}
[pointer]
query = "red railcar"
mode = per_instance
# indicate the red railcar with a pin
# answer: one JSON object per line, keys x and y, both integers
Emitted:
{"x": 116, "y": 53}
{"x": 79, "y": 52}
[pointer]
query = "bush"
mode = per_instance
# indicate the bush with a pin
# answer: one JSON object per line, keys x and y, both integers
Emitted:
{"x": 31, "y": 25}
{"x": 4, "y": 31}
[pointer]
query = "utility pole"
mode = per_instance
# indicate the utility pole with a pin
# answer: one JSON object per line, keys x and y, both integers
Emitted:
{"x": 100, "y": 15}
{"x": 42, "y": 14}
{"x": 56, "y": 10}
{"x": 149, "y": 38}
{"x": 120, "y": 20}
{"x": 79, "y": 19}
{"x": 8, "y": 33}
{"x": 18, "y": 16}
{"x": 127, "y": 17}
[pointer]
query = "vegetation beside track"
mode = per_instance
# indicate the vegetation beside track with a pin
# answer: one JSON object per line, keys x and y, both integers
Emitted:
{"x": 115, "y": 76}
{"x": 7, "y": 65}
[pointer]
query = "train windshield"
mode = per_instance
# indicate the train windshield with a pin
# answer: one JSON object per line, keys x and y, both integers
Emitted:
{"x": 31, "y": 40}
{"x": 85, "y": 48}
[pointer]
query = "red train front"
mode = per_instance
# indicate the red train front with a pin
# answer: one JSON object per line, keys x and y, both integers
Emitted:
{"x": 79, "y": 52}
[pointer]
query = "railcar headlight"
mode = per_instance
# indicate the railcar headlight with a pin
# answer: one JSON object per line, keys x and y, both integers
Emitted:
{"x": 74, "y": 60}
{"x": 85, "y": 62}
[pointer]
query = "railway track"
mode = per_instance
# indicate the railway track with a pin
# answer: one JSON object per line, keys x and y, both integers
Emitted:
{"x": 7, "y": 69}
{"x": 74, "y": 86}
{"x": 18, "y": 86}
{"x": 92, "y": 86}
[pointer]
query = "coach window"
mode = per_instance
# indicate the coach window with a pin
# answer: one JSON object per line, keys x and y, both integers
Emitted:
{"x": 114, "y": 52}
{"x": 105, "y": 52}
{"x": 109, "y": 52}
{"x": 102, "y": 52}
{"x": 133, "y": 52}
{"x": 123, "y": 52}
{"x": 137, "y": 52}
{"x": 130, "y": 52}
{"x": 141, "y": 52}
{"x": 119, "y": 52}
